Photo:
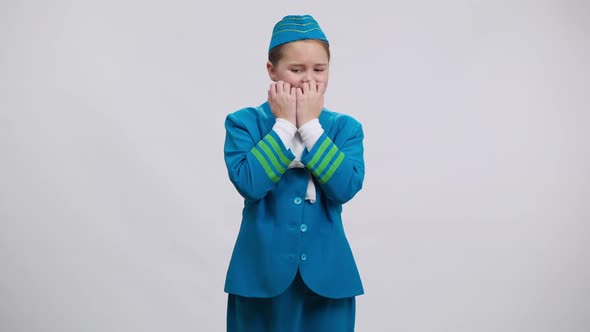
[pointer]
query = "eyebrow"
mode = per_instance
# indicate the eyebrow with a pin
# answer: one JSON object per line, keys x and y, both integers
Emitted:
{"x": 302, "y": 65}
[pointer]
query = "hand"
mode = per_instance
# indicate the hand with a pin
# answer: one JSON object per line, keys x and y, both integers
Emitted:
{"x": 310, "y": 101}
{"x": 283, "y": 101}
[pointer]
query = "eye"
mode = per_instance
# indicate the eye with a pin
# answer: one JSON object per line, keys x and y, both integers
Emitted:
{"x": 297, "y": 70}
{"x": 319, "y": 69}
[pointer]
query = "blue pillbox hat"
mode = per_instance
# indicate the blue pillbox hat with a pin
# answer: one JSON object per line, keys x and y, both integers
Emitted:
{"x": 295, "y": 27}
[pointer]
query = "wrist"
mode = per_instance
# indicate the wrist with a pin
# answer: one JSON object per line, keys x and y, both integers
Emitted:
{"x": 310, "y": 132}
{"x": 285, "y": 130}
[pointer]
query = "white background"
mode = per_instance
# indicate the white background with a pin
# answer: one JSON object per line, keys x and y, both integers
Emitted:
{"x": 116, "y": 213}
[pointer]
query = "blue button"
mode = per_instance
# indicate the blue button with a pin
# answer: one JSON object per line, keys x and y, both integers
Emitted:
{"x": 303, "y": 257}
{"x": 303, "y": 228}
{"x": 297, "y": 200}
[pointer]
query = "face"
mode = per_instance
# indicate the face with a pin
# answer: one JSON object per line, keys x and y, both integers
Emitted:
{"x": 301, "y": 61}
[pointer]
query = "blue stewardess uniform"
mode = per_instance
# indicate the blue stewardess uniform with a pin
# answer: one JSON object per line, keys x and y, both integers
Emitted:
{"x": 281, "y": 233}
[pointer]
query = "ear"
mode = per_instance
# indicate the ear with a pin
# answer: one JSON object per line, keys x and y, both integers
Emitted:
{"x": 272, "y": 72}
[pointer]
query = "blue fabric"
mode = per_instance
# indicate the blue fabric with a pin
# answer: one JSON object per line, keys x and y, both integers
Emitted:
{"x": 281, "y": 232}
{"x": 295, "y": 27}
{"x": 298, "y": 309}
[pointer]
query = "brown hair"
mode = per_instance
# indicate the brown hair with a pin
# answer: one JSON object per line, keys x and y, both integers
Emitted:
{"x": 275, "y": 55}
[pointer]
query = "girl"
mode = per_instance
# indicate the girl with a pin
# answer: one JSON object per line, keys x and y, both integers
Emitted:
{"x": 295, "y": 163}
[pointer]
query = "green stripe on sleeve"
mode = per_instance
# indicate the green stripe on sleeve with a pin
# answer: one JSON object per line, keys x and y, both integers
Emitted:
{"x": 319, "y": 152}
{"x": 265, "y": 165}
{"x": 326, "y": 160}
{"x": 271, "y": 140}
{"x": 272, "y": 157}
{"x": 332, "y": 168}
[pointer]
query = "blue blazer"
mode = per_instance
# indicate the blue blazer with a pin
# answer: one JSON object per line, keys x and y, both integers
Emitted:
{"x": 281, "y": 232}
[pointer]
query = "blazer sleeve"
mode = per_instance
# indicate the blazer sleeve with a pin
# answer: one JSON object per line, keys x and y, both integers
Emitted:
{"x": 338, "y": 167}
{"x": 254, "y": 164}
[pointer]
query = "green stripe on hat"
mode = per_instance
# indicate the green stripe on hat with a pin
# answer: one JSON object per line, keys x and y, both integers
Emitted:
{"x": 296, "y": 27}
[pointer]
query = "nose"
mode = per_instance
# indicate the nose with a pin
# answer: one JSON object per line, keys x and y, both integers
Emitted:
{"x": 307, "y": 76}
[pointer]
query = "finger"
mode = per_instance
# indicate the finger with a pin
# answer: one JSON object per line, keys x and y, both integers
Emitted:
{"x": 313, "y": 86}
{"x": 280, "y": 86}
{"x": 299, "y": 92}
{"x": 286, "y": 87}
{"x": 272, "y": 90}
{"x": 293, "y": 91}
{"x": 305, "y": 87}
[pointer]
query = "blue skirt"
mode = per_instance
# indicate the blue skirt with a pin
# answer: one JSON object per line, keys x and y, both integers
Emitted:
{"x": 298, "y": 309}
